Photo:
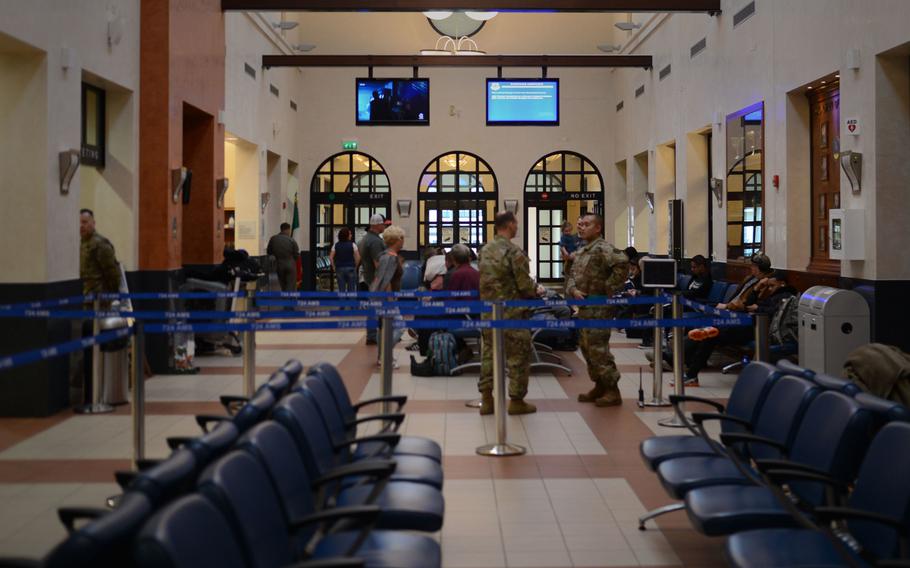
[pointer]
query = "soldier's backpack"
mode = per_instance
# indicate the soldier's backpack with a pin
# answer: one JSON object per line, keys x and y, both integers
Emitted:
{"x": 442, "y": 357}
{"x": 784, "y": 327}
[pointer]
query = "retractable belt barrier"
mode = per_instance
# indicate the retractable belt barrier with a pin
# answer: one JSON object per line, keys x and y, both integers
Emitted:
{"x": 43, "y": 353}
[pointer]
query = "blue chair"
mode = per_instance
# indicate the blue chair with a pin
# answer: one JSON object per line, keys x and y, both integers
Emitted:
{"x": 239, "y": 487}
{"x": 730, "y": 292}
{"x": 347, "y": 443}
{"x": 403, "y": 505}
{"x": 877, "y": 516}
{"x": 248, "y": 415}
{"x": 830, "y": 444}
{"x": 717, "y": 293}
{"x": 407, "y": 445}
{"x": 775, "y": 427}
{"x": 742, "y": 411}
{"x": 683, "y": 281}
{"x": 774, "y": 431}
{"x": 299, "y": 413}
{"x": 106, "y": 540}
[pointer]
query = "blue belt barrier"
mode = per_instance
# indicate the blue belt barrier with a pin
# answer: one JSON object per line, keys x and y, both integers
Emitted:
{"x": 257, "y": 326}
{"x": 365, "y": 304}
{"x": 35, "y": 355}
{"x": 705, "y": 308}
{"x": 641, "y": 300}
{"x": 574, "y": 323}
{"x": 355, "y": 295}
{"x": 44, "y": 304}
{"x": 165, "y": 296}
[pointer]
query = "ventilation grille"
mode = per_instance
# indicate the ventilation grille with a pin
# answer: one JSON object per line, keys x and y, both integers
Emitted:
{"x": 619, "y": 106}
{"x": 273, "y": 89}
{"x": 639, "y": 91}
{"x": 699, "y": 46}
{"x": 293, "y": 106}
{"x": 744, "y": 14}
{"x": 664, "y": 72}
{"x": 249, "y": 70}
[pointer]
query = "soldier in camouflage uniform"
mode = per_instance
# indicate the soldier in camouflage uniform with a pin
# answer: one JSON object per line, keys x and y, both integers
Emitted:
{"x": 100, "y": 272}
{"x": 98, "y": 267}
{"x": 505, "y": 275}
{"x": 599, "y": 271}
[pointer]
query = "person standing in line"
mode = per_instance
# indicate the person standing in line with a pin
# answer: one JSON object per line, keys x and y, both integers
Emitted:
{"x": 389, "y": 270}
{"x": 286, "y": 252}
{"x": 345, "y": 257}
{"x": 505, "y": 275}
{"x": 100, "y": 273}
{"x": 599, "y": 271}
{"x": 370, "y": 247}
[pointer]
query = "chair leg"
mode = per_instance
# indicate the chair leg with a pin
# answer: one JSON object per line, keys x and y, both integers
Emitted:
{"x": 728, "y": 368}
{"x": 658, "y": 512}
{"x": 553, "y": 356}
{"x": 543, "y": 347}
{"x": 544, "y": 365}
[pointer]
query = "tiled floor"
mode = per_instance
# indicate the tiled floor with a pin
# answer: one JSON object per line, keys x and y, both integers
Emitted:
{"x": 572, "y": 500}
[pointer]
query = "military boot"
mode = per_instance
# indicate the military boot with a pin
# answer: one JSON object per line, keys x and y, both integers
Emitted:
{"x": 486, "y": 403}
{"x": 518, "y": 406}
{"x": 593, "y": 394}
{"x": 611, "y": 397}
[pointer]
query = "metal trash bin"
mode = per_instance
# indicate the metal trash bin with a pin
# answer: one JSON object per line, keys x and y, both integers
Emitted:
{"x": 832, "y": 323}
{"x": 115, "y": 364}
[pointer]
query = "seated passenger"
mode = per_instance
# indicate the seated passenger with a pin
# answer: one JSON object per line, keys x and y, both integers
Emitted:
{"x": 434, "y": 270}
{"x": 463, "y": 278}
{"x": 700, "y": 285}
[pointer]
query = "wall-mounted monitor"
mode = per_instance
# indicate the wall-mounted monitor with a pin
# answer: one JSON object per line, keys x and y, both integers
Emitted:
{"x": 393, "y": 102}
{"x": 522, "y": 102}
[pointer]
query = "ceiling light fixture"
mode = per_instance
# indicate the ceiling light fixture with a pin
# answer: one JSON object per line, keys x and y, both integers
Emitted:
{"x": 451, "y": 46}
{"x": 481, "y": 16}
{"x": 304, "y": 47}
{"x": 437, "y": 14}
{"x": 609, "y": 48}
{"x": 285, "y": 25}
{"x": 627, "y": 26}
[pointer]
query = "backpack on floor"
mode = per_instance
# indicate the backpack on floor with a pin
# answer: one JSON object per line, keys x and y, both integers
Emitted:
{"x": 443, "y": 351}
{"x": 784, "y": 327}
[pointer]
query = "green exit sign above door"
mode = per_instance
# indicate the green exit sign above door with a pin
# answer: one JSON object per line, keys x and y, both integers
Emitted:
{"x": 348, "y": 144}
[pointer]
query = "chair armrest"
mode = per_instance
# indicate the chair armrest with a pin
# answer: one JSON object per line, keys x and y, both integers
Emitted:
{"x": 399, "y": 399}
{"x": 205, "y": 419}
{"x": 699, "y": 417}
{"x": 69, "y": 515}
{"x": 360, "y": 513}
{"x": 229, "y": 401}
{"x": 325, "y": 563}
{"x": 784, "y": 475}
{"x": 769, "y": 464}
{"x": 125, "y": 477}
{"x": 175, "y": 442}
{"x": 828, "y": 514}
{"x": 732, "y": 438}
{"x": 677, "y": 399}
{"x": 395, "y": 418}
{"x": 892, "y": 563}
{"x": 390, "y": 439}
{"x": 373, "y": 468}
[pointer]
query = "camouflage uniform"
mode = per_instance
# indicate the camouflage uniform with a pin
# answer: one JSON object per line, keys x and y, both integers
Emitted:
{"x": 505, "y": 275}
{"x": 98, "y": 267}
{"x": 599, "y": 270}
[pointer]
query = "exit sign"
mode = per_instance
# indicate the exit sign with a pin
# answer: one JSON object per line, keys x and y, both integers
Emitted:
{"x": 348, "y": 144}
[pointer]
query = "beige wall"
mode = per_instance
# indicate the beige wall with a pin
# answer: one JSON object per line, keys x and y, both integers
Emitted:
{"x": 784, "y": 46}
{"x": 75, "y": 34}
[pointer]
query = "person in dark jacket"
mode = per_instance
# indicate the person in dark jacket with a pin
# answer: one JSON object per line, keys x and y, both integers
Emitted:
{"x": 286, "y": 252}
{"x": 700, "y": 285}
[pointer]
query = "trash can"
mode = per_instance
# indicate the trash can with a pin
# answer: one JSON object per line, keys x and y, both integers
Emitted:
{"x": 832, "y": 323}
{"x": 115, "y": 364}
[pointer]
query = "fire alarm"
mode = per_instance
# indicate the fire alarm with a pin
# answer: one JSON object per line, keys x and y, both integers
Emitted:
{"x": 775, "y": 181}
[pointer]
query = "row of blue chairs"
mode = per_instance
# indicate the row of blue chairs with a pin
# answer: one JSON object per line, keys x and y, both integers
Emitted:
{"x": 280, "y": 479}
{"x": 809, "y": 471}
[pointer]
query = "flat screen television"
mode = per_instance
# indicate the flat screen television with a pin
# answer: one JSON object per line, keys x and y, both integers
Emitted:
{"x": 523, "y": 102}
{"x": 393, "y": 102}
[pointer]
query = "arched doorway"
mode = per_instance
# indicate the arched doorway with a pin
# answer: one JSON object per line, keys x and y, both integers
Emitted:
{"x": 560, "y": 187}
{"x": 346, "y": 190}
{"x": 456, "y": 201}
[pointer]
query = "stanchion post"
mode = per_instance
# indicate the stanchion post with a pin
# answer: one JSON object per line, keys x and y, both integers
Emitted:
{"x": 96, "y": 406}
{"x": 138, "y": 380}
{"x": 657, "y": 391}
{"x": 502, "y": 447}
{"x": 679, "y": 385}
{"x": 249, "y": 346}
{"x": 761, "y": 337}
{"x": 386, "y": 340}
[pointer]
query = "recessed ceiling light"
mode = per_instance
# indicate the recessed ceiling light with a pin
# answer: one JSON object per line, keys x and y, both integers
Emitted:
{"x": 837, "y": 76}
{"x": 823, "y": 82}
{"x": 810, "y": 87}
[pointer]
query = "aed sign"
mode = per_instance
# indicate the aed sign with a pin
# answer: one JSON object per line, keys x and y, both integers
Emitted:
{"x": 853, "y": 126}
